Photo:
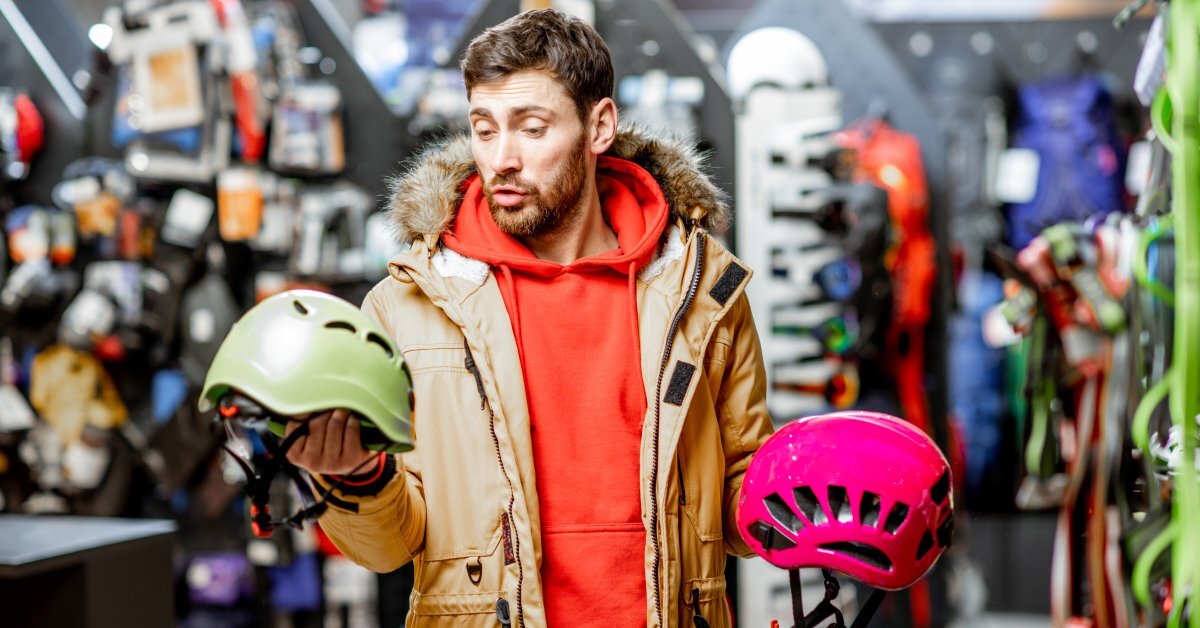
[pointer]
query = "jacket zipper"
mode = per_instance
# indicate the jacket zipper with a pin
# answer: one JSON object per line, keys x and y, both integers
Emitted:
{"x": 512, "y": 494}
{"x": 662, "y": 371}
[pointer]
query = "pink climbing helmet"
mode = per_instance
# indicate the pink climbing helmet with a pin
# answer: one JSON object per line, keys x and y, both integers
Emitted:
{"x": 862, "y": 493}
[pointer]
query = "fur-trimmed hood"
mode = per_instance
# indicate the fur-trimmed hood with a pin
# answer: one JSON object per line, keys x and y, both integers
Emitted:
{"x": 425, "y": 198}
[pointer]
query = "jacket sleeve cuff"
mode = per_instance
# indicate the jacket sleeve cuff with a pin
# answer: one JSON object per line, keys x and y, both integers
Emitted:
{"x": 367, "y": 484}
{"x": 734, "y": 543}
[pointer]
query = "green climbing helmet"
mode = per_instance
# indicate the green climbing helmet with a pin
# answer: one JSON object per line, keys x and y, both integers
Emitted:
{"x": 304, "y": 351}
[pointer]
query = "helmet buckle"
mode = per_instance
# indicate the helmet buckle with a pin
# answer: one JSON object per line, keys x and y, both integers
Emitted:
{"x": 260, "y": 521}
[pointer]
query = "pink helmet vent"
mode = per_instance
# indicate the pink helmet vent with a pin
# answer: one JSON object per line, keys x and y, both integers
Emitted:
{"x": 862, "y": 493}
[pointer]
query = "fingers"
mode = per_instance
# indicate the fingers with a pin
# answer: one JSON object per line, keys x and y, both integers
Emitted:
{"x": 353, "y": 454}
{"x": 331, "y": 446}
{"x": 335, "y": 433}
{"x": 351, "y": 441}
{"x": 295, "y": 453}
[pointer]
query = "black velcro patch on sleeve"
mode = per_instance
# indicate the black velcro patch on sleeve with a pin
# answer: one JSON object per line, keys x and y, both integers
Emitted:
{"x": 679, "y": 383}
{"x": 733, "y": 277}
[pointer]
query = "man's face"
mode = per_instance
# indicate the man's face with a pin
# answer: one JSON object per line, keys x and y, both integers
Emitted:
{"x": 531, "y": 150}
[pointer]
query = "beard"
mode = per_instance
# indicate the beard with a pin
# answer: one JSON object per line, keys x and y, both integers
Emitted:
{"x": 544, "y": 210}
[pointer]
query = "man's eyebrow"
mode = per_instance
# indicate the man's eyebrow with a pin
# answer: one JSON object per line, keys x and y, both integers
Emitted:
{"x": 520, "y": 111}
{"x": 481, "y": 112}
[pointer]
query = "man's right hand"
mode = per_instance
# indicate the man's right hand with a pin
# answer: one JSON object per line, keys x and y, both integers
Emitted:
{"x": 332, "y": 445}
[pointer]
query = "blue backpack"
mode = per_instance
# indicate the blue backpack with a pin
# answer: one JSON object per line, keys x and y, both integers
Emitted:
{"x": 1069, "y": 123}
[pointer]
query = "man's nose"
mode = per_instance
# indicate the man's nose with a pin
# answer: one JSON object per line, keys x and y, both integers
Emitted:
{"x": 507, "y": 157}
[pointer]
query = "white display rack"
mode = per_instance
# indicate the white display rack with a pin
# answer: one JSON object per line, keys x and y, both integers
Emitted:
{"x": 782, "y": 139}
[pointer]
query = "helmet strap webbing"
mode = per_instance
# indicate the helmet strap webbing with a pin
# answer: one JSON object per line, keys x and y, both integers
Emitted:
{"x": 797, "y": 598}
{"x": 259, "y": 480}
{"x": 868, "y": 610}
{"x": 825, "y": 608}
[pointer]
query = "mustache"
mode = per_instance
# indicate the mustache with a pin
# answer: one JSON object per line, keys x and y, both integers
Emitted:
{"x": 512, "y": 181}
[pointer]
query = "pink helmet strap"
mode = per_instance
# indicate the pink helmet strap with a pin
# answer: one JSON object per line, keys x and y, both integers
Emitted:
{"x": 825, "y": 608}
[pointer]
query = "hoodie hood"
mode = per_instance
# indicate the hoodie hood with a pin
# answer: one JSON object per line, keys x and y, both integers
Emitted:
{"x": 632, "y": 204}
{"x": 425, "y": 199}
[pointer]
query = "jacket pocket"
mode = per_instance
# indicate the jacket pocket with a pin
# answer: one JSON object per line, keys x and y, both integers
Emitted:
{"x": 701, "y": 506}
{"x": 460, "y": 470}
{"x": 456, "y": 609}
{"x": 461, "y": 591}
{"x": 700, "y": 463}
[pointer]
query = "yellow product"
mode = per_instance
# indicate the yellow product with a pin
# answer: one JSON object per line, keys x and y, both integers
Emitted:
{"x": 98, "y": 216}
{"x": 70, "y": 390}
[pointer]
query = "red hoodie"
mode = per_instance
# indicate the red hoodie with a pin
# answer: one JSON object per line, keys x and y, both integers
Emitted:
{"x": 576, "y": 331}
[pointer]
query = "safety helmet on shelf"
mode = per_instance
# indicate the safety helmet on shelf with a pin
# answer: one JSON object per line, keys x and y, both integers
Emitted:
{"x": 304, "y": 351}
{"x": 861, "y": 493}
{"x": 777, "y": 56}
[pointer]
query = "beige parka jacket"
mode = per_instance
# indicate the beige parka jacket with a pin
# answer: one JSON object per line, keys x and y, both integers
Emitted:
{"x": 464, "y": 506}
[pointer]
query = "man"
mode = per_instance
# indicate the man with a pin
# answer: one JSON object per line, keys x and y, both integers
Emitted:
{"x": 588, "y": 381}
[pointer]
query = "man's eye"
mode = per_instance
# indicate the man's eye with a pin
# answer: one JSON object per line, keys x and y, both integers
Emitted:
{"x": 484, "y": 134}
{"x": 536, "y": 131}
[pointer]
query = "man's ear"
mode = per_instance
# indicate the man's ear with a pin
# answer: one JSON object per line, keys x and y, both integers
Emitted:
{"x": 603, "y": 125}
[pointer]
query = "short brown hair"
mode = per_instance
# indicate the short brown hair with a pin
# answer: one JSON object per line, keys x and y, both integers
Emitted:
{"x": 544, "y": 39}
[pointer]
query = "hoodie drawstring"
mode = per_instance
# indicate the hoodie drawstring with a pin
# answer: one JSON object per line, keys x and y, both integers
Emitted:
{"x": 633, "y": 306}
{"x": 508, "y": 288}
{"x": 633, "y": 318}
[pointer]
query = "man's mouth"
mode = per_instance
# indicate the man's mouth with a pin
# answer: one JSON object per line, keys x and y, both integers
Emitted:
{"x": 508, "y": 196}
